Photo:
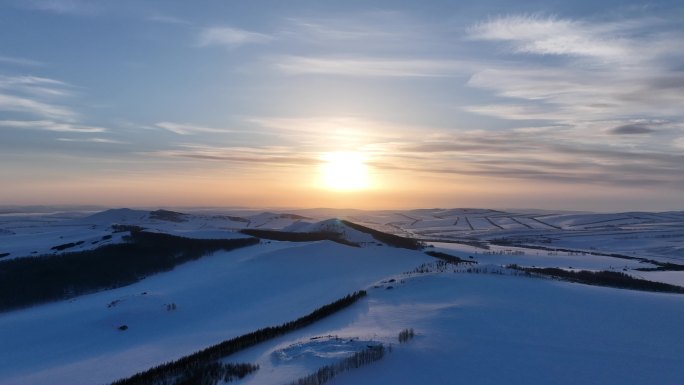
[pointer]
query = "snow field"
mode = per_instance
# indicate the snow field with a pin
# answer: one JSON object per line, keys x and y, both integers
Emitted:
{"x": 491, "y": 329}
{"x": 217, "y": 298}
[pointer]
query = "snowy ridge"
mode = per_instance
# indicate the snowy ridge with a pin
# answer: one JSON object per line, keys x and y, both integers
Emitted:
{"x": 333, "y": 226}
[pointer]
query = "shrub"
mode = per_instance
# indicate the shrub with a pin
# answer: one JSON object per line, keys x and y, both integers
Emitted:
{"x": 405, "y": 335}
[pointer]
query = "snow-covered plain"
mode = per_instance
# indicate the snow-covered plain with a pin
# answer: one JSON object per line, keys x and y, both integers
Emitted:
{"x": 471, "y": 328}
{"x": 491, "y": 329}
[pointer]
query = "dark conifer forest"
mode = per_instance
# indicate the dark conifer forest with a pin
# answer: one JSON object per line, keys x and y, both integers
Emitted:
{"x": 32, "y": 280}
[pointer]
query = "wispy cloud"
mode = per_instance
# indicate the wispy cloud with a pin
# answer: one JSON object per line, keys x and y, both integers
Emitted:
{"x": 594, "y": 154}
{"x": 349, "y": 132}
{"x": 35, "y": 95}
{"x": 364, "y": 27}
{"x": 167, "y": 19}
{"x": 29, "y": 80}
{"x": 189, "y": 129}
{"x": 34, "y": 107}
{"x": 20, "y": 61}
{"x": 230, "y": 37}
{"x": 48, "y": 125}
{"x": 605, "y": 71}
{"x": 35, "y": 85}
{"x": 258, "y": 155}
{"x": 551, "y": 154}
{"x": 555, "y": 36}
{"x": 379, "y": 32}
{"x": 679, "y": 143}
{"x": 74, "y": 7}
{"x": 91, "y": 140}
{"x": 369, "y": 66}
{"x": 632, "y": 129}
{"x": 541, "y": 155}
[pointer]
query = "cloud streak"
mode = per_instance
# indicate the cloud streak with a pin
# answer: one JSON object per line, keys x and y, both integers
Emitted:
{"x": 256, "y": 156}
{"x": 539, "y": 156}
{"x": 159, "y": 18}
{"x": 230, "y": 37}
{"x": 189, "y": 129}
{"x": 47, "y": 125}
{"x": 67, "y": 7}
{"x": 535, "y": 155}
{"x": 368, "y": 66}
{"x": 555, "y": 36}
{"x": 91, "y": 140}
{"x": 34, "y": 107}
{"x": 632, "y": 129}
{"x": 20, "y": 61}
{"x": 35, "y": 95}
{"x": 605, "y": 72}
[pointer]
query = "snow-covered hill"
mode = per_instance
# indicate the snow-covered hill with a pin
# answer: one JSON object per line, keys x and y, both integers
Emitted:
{"x": 216, "y": 298}
{"x": 488, "y": 326}
{"x": 333, "y": 226}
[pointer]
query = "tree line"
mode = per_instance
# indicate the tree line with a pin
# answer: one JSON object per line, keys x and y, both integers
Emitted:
{"x": 448, "y": 257}
{"x": 211, "y": 374}
{"x": 297, "y": 236}
{"x": 603, "y": 278}
{"x": 367, "y": 356}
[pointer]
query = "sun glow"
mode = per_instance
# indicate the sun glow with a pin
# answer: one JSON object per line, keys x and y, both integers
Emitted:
{"x": 344, "y": 171}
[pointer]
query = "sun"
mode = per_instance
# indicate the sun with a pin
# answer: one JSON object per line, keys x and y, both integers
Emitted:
{"x": 344, "y": 171}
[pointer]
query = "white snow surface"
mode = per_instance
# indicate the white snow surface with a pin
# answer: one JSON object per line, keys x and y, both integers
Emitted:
{"x": 217, "y": 297}
{"x": 493, "y": 329}
{"x": 470, "y": 328}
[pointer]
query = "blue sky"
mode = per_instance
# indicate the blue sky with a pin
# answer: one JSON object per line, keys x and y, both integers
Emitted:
{"x": 548, "y": 104}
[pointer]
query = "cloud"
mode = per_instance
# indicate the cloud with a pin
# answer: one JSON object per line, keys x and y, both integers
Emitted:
{"x": 34, "y": 107}
{"x": 363, "y": 27}
{"x": 368, "y": 66}
{"x": 679, "y": 142}
{"x": 535, "y": 154}
{"x": 159, "y": 18}
{"x": 230, "y": 37}
{"x": 632, "y": 129}
{"x": 47, "y": 125}
{"x": 91, "y": 140}
{"x": 364, "y": 33}
{"x": 349, "y": 132}
{"x": 35, "y": 95}
{"x": 605, "y": 71}
{"x": 20, "y": 61}
{"x": 539, "y": 155}
{"x": 273, "y": 156}
{"x": 189, "y": 129}
{"x": 18, "y": 81}
{"x": 554, "y": 36}
{"x": 72, "y": 7}
{"x": 35, "y": 85}
{"x": 520, "y": 111}
{"x": 561, "y": 154}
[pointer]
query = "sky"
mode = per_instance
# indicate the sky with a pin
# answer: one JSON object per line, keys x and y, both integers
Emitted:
{"x": 528, "y": 104}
